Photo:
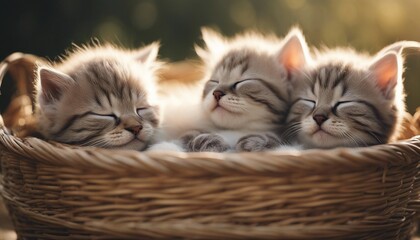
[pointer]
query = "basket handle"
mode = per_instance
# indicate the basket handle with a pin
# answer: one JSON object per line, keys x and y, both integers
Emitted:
{"x": 21, "y": 67}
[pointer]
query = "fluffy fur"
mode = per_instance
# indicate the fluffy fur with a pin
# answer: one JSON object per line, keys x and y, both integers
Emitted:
{"x": 247, "y": 90}
{"x": 349, "y": 99}
{"x": 100, "y": 96}
{"x": 260, "y": 87}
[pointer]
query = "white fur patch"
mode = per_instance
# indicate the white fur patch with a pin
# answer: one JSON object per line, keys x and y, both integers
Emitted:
{"x": 288, "y": 148}
{"x": 172, "y": 146}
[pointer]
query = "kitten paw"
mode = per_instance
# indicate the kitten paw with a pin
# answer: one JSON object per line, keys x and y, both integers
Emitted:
{"x": 257, "y": 143}
{"x": 189, "y": 136}
{"x": 207, "y": 142}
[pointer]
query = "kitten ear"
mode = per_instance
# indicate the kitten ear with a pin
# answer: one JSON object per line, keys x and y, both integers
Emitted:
{"x": 53, "y": 83}
{"x": 387, "y": 70}
{"x": 147, "y": 54}
{"x": 294, "y": 53}
{"x": 399, "y": 46}
{"x": 214, "y": 41}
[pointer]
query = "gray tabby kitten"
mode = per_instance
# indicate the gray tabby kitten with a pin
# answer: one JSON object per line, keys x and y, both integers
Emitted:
{"x": 247, "y": 93}
{"x": 100, "y": 96}
{"x": 349, "y": 99}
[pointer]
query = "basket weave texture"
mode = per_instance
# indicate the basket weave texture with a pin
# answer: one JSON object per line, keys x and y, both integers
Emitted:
{"x": 55, "y": 191}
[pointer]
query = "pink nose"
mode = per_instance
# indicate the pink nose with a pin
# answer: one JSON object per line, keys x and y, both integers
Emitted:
{"x": 218, "y": 94}
{"x": 319, "y": 119}
{"x": 134, "y": 129}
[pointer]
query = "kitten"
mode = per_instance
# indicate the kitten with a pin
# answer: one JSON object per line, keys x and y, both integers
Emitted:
{"x": 349, "y": 99}
{"x": 100, "y": 96}
{"x": 247, "y": 94}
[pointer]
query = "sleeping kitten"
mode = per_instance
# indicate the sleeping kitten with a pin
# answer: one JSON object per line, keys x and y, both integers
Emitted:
{"x": 349, "y": 99}
{"x": 100, "y": 96}
{"x": 247, "y": 93}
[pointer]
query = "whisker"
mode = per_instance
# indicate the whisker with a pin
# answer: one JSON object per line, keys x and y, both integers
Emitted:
{"x": 96, "y": 142}
{"x": 347, "y": 135}
{"x": 291, "y": 132}
{"x": 357, "y": 140}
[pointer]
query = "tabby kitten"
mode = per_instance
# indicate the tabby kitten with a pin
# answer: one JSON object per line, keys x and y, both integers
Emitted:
{"x": 100, "y": 96}
{"x": 349, "y": 99}
{"x": 247, "y": 94}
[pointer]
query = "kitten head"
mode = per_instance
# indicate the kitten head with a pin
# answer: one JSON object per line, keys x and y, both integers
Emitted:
{"x": 248, "y": 78}
{"x": 348, "y": 99}
{"x": 100, "y": 96}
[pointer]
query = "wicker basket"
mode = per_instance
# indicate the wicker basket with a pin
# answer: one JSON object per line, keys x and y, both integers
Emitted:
{"x": 54, "y": 191}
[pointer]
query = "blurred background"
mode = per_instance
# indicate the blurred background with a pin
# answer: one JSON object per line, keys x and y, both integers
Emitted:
{"x": 47, "y": 27}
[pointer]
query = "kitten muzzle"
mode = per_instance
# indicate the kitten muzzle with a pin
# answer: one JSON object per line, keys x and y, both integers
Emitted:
{"x": 134, "y": 129}
{"x": 320, "y": 119}
{"x": 218, "y": 95}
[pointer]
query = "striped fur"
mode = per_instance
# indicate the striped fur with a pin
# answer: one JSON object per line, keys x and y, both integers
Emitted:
{"x": 249, "y": 74}
{"x": 100, "y": 96}
{"x": 252, "y": 77}
{"x": 358, "y": 100}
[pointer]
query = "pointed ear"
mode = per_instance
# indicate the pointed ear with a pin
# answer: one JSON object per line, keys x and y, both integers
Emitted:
{"x": 387, "y": 72}
{"x": 213, "y": 40}
{"x": 147, "y": 54}
{"x": 294, "y": 53}
{"x": 53, "y": 83}
{"x": 398, "y": 47}
{"x": 201, "y": 52}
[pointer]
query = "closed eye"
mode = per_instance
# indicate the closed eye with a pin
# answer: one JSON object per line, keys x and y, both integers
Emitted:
{"x": 334, "y": 108}
{"x": 233, "y": 87}
{"x": 106, "y": 116}
{"x": 342, "y": 102}
{"x": 142, "y": 110}
{"x": 308, "y": 100}
{"x": 356, "y": 108}
{"x": 103, "y": 115}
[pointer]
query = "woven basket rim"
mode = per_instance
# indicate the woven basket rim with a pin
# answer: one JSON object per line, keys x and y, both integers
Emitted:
{"x": 152, "y": 163}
